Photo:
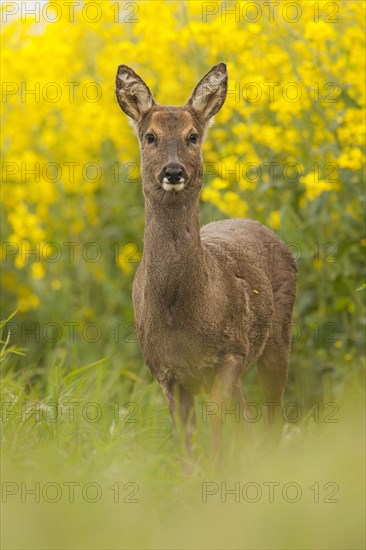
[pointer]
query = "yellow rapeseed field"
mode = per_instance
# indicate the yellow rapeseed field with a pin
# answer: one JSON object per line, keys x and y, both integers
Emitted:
{"x": 287, "y": 148}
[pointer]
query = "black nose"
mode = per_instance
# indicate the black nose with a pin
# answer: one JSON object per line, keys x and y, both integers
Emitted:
{"x": 173, "y": 172}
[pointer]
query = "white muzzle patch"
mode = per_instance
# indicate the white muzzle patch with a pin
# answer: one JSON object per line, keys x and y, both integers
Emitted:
{"x": 167, "y": 186}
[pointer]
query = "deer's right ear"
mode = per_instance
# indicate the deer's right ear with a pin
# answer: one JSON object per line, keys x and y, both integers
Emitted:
{"x": 133, "y": 96}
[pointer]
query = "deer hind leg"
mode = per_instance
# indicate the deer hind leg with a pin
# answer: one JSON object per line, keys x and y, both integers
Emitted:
{"x": 273, "y": 367}
{"x": 273, "y": 364}
{"x": 181, "y": 407}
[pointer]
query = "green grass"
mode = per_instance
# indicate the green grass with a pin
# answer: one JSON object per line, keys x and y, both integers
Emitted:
{"x": 112, "y": 438}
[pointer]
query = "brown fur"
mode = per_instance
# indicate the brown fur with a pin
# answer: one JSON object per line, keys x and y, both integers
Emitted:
{"x": 205, "y": 309}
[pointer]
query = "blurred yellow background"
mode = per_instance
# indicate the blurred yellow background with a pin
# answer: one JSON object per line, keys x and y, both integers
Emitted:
{"x": 286, "y": 149}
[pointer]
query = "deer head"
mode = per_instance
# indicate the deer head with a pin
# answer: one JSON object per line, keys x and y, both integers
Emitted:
{"x": 171, "y": 137}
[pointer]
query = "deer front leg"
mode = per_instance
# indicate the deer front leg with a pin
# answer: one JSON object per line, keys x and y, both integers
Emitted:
{"x": 181, "y": 407}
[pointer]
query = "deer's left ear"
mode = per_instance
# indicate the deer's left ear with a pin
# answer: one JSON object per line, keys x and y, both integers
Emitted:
{"x": 210, "y": 93}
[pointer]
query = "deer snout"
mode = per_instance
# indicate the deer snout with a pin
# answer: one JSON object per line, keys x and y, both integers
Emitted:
{"x": 173, "y": 177}
{"x": 173, "y": 172}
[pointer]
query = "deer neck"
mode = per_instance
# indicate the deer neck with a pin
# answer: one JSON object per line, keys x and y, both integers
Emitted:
{"x": 173, "y": 258}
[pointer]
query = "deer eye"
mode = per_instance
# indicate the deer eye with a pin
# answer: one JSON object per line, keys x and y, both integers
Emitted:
{"x": 151, "y": 138}
{"x": 193, "y": 138}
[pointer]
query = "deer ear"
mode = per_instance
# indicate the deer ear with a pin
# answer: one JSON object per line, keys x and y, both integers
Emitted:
{"x": 133, "y": 96}
{"x": 210, "y": 93}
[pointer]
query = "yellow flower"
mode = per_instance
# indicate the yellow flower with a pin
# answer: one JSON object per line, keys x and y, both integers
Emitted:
{"x": 353, "y": 159}
{"x": 56, "y": 284}
{"x": 28, "y": 302}
{"x": 127, "y": 256}
{"x": 218, "y": 183}
{"x": 314, "y": 187}
{"x": 38, "y": 271}
{"x": 210, "y": 195}
{"x": 233, "y": 205}
{"x": 274, "y": 219}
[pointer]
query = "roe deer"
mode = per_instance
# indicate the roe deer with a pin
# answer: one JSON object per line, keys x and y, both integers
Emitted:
{"x": 204, "y": 310}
